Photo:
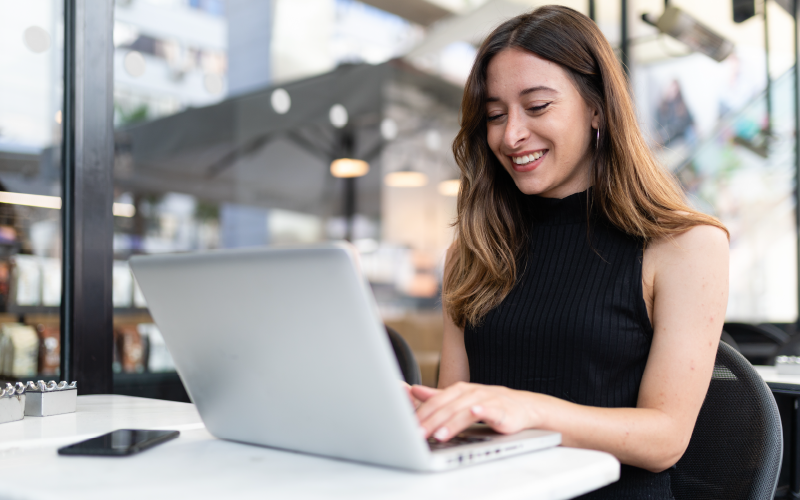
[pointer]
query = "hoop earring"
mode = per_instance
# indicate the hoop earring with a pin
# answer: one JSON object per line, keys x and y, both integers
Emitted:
{"x": 597, "y": 144}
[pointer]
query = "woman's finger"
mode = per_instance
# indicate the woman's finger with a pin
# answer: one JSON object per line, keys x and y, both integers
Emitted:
{"x": 423, "y": 393}
{"x": 457, "y": 422}
{"x": 441, "y": 399}
{"x": 452, "y": 410}
{"x": 414, "y": 401}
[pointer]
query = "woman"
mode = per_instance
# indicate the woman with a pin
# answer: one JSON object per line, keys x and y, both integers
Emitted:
{"x": 582, "y": 294}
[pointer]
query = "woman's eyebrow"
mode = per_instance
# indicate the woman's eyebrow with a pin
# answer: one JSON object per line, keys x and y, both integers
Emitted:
{"x": 538, "y": 88}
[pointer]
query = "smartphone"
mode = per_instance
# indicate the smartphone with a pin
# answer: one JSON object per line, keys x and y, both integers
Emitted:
{"x": 119, "y": 443}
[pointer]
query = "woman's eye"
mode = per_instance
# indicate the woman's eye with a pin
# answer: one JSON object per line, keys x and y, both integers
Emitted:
{"x": 492, "y": 118}
{"x": 538, "y": 108}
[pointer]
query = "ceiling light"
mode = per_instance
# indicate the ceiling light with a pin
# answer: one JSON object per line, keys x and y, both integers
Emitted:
{"x": 213, "y": 83}
{"x": 30, "y": 200}
{"x": 134, "y": 64}
{"x": 349, "y": 167}
{"x": 433, "y": 140}
{"x": 406, "y": 178}
{"x": 36, "y": 39}
{"x": 338, "y": 115}
{"x": 124, "y": 209}
{"x": 54, "y": 202}
{"x": 281, "y": 101}
{"x": 696, "y": 35}
{"x": 449, "y": 187}
{"x": 389, "y": 129}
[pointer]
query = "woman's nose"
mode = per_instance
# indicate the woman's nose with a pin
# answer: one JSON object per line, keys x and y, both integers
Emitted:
{"x": 516, "y": 132}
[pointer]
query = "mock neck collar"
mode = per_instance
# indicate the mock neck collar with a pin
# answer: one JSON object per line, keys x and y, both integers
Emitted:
{"x": 573, "y": 208}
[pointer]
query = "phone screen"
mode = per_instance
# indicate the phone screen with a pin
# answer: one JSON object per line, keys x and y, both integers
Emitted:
{"x": 119, "y": 443}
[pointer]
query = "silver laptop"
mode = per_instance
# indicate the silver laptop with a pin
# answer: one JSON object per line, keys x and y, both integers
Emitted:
{"x": 284, "y": 347}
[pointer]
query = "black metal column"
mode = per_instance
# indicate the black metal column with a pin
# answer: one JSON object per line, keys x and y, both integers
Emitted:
{"x": 794, "y": 452}
{"x": 766, "y": 59}
{"x": 86, "y": 307}
{"x": 349, "y": 208}
{"x": 796, "y": 5}
{"x": 624, "y": 45}
{"x": 346, "y": 148}
{"x": 592, "y": 11}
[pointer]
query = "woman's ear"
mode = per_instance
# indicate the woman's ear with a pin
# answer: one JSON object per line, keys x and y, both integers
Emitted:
{"x": 595, "y": 119}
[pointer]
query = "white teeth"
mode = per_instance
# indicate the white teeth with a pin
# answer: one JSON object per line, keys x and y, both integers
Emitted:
{"x": 522, "y": 160}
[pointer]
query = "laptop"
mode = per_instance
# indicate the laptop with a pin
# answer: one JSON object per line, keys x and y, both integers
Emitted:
{"x": 284, "y": 347}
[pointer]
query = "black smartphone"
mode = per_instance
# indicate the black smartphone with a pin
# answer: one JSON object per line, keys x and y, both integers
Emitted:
{"x": 119, "y": 443}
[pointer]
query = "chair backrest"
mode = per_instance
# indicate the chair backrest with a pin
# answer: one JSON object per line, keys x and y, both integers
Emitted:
{"x": 737, "y": 444}
{"x": 726, "y": 337}
{"x": 405, "y": 357}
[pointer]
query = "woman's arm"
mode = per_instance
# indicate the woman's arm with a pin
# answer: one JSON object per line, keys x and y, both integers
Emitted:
{"x": 453, "y": 365}
{"x": 690, "y": 290}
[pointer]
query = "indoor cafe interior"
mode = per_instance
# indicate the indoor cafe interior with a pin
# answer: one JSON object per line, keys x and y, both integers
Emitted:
{"x": 138, "y": 130}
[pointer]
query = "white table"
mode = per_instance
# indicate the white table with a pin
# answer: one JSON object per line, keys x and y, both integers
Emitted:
{"x": 774, "y": 380}
{"x": 198, "y": 466}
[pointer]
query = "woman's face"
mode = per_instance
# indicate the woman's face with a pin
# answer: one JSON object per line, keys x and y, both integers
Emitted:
{"x": 539, "y": 126}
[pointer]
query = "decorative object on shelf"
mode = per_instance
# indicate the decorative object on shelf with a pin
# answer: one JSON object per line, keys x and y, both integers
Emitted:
{"x": 130, "y": 348}
{"x": 19, "y": 350}
{"x": 12, "y": 402}
{"x": 50, "y": 398}
{"x": 787, "y": 365}
{"x": 49, "y": 348}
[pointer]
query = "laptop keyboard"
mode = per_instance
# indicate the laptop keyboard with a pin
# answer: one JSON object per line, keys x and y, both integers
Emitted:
{"x": 457, "y": 440}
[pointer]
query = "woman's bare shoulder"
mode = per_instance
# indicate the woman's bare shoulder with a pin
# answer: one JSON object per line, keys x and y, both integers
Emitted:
{"x": 700, "y": 247}
{"x": 698, "y": 238}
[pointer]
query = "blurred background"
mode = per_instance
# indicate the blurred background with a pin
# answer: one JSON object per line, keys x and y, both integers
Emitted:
{"x": 243, "y": 123}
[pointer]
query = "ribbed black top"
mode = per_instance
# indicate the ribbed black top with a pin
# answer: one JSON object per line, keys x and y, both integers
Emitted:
{"x": 575, "y": 326}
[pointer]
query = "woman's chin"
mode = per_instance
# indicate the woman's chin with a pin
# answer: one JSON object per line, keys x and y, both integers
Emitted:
{"x": 531, "y": 186}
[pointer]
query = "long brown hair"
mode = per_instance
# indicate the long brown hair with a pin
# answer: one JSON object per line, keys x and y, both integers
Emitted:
{"x": 630, "y": 188}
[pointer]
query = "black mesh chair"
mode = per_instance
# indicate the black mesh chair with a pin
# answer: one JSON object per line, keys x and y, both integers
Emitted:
{"x": 405, "y": 358}
{"x": 737, "y": 444}
{"x": 726, "y": 337}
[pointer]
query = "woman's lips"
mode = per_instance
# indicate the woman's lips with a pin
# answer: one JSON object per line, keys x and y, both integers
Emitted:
{"x": 530, "y": 165}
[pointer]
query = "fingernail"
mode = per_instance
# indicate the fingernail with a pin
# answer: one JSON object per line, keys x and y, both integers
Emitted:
{"x": 423, "y": 431}
{"x": 441, "y": 434}
{"x": 477, "y": 409}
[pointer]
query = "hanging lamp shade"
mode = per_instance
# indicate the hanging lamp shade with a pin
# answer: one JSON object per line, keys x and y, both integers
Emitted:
{"x": 406, "y": 178}
{"x": 449, "y": 187}
{"x": 349, "y": 167}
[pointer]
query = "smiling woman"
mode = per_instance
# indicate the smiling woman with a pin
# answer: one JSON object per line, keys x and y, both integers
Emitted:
{"x": 582, "y": 293}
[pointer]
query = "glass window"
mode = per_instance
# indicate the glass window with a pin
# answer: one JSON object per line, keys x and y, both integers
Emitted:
{"x": 228, "y": 121}
{"x": 31, "y": 55}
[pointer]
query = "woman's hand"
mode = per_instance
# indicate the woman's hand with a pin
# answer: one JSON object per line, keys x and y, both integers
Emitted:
{"x": 446, "y": 412}
{"x": 414, "y": 401}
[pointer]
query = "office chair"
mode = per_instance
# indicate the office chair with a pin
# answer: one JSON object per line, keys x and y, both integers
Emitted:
{"x": 405, "y": 358}
{"x": 737, "y": 444}
{"x": 757, "y": 343}
{"x": 726, "y": 337}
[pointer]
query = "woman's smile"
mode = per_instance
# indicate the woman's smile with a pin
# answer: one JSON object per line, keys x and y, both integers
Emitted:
{"x": 527, "y": 160}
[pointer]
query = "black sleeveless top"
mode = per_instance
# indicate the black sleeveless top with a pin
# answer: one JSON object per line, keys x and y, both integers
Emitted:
{"x": 575, "y": 326}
